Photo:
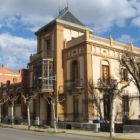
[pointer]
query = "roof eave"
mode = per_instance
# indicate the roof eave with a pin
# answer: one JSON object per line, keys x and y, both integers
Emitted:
{"x": 65, "y": 23}
{"x": 74, "y": 25}
{"x": 44, "y": 27}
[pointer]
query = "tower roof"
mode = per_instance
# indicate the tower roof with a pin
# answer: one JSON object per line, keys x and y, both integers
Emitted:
{"x": 68, "y": 16}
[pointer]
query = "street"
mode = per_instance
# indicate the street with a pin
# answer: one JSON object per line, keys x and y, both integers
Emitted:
{"x": 14, "y": 134}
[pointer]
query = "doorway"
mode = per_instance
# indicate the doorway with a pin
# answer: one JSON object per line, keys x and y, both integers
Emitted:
{"x": 76, "y": 108}
{"x": 49, "y": 111}
{"x": 34, "y": 109}
{"x": 106, "y": 107}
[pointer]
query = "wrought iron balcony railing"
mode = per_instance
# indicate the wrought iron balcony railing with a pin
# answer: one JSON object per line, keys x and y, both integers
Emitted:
{"x": 50, "y": 53}
{"x": 42, "y": 54}
{"x": 71, "y": 84}
{"x": 42, "y": 85}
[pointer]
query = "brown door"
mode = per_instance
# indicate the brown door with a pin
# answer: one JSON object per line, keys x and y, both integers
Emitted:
{"x": 49, "y": 111}
{"x": 76, "y": 108}
{"x": 34, "y": 109}
{"x": 106, "y": 107}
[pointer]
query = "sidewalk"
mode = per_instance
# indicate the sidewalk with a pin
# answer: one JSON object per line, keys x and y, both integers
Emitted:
{"x": 118, "y": 136}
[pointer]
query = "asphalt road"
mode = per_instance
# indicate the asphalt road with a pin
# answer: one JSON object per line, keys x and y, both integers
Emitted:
{"x": 14, "y": 134}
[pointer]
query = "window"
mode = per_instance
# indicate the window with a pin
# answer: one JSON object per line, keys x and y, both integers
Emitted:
{"x": 124, "y": 74}
{"x": 37, "y": 72}
{"x": 139, "y": 102}
{"x": 14, "y": 80}
{"x": 75, "y": 70}
{"x": 48, "y": 43}
{"x": 125, "y": 101}
{"x": 8, "y": 82}
{"x": 105, "y": 71}
{"x": 48, "y": 47}
{"x": 18, "y": 101}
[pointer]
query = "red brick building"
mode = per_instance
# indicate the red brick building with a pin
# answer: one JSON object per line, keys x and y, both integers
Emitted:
{"x": 17, "y": 81}
{"x": 9, "y": 75}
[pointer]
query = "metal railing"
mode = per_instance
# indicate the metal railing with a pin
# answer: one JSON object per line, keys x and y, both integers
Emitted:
{"x": 71, "y": 84}
{"x": 43, "y": 54}
{"x": 50, "y": 53}
{"x": 71, "y": 117}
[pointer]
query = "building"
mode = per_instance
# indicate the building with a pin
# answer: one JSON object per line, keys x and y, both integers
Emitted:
{"x": 68, "y": 64}
{"x": 9, "y": 75}
{"x": 69, "y": 52}
{"x": 13, "y": 89}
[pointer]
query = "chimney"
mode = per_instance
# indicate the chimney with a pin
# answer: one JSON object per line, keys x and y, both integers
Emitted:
{"x": 131, "y": 47}
{"x": 111, "y": 41}
{"x": 3, "y": 65}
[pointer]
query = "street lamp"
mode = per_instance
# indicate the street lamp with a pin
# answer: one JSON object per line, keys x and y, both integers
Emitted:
{"x": 48, "y": 78}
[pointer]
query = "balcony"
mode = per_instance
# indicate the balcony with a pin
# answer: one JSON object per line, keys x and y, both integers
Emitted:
{"x": 44, "y": 69}
{"x": 41, "y": 55}
{"x": 50, "y": 54}
{"x": 76, "y": 41}
{"x": 44, "y": 85}
{"x": 74, "y": 84}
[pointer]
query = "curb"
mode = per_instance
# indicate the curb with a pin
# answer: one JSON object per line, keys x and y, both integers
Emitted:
{"x": 65, "y": 132}
{"x": 124, "y": 139}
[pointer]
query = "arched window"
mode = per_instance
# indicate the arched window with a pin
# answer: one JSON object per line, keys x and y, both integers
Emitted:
{"x": 74, "y": 70}
{"x": 14, "y": 80}
{"x": 105, "y": 71}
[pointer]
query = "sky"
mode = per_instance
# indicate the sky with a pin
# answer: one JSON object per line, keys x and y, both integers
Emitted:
{"x": 19, "y": 19}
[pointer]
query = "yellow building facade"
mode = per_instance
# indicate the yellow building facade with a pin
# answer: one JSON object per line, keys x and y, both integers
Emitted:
{"x": 68, "y": 64}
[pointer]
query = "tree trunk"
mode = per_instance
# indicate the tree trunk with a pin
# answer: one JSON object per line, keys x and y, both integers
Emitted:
{"x": 12, "y": 113}
{"x": 97, "y": 103}
{"x": 28, "y": 111}
{"x": 54, "y": 116}
{"x": 112, "y": 116}
{"x": 0, "y": 113}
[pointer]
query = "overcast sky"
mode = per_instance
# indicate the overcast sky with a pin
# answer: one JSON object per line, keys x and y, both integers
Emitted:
{"x": 19, "y": 19}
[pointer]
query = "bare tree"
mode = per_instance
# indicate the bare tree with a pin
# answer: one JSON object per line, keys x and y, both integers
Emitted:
{"x": 12, "y": 98}
{"x": 96, "y": 99}
{"x": 27, "y": 100}
{"x": 2, "y": 101}
{"x": 53, "y": 102}
{"x": 132, "y": 63}
{"x": 111, "y": 87}
{"x": 11, "y": 95}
